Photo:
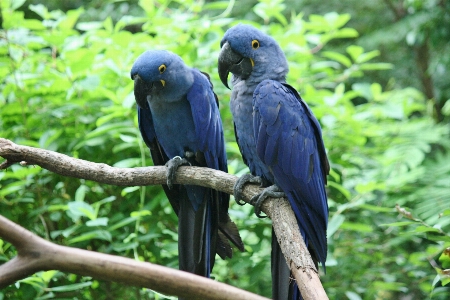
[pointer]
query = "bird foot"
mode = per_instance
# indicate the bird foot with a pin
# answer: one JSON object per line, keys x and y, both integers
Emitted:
{"x": 272, "y": 191}
{"x": 172, "y": 165}
{"x": 238, "y": 189}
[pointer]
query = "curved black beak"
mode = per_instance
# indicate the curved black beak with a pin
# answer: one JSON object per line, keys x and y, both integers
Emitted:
{"x": 142, "y": 89}
{"x": 231, "y": 61}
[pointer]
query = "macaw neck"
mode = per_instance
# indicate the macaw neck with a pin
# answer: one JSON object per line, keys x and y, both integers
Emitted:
{"x": 258, "y": 75}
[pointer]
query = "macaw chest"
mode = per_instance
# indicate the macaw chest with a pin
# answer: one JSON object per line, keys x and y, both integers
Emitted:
{"x": 174, "y": 127}
{"x": 242, "y": 111}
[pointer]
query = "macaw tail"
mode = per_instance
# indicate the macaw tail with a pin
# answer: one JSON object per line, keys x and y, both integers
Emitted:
{"x": 197, "y": 232}
{"x": 284, "y": 285}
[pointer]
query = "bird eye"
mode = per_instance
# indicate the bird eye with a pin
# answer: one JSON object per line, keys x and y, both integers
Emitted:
{"x": 255, "y": 44}
{"x": 162, "y": 68}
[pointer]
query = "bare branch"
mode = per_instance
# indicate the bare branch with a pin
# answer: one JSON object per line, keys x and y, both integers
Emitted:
{"x": 37, "y": 254}
{"x": 279, "y": 210}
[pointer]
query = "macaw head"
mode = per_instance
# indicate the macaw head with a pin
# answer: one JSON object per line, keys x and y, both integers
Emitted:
{"x": 247, "y": 51}
{"x": 160, "y": 74}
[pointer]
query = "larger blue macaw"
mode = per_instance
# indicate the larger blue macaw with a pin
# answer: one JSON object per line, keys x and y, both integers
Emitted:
{"x": 280, "y": 141}
{"x": 180, "y": 122}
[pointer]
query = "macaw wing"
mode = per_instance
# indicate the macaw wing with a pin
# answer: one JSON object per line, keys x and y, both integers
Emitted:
{"x": 159, "y": 157}
{"x": 208, "y": 127}
{"x": 288, "y": 140}
{"x": 325, "y": 164}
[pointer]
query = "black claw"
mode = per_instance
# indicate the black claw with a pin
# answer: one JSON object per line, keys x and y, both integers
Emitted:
{"x": 272, "y": 191}
{"x": 172, "y": 166}
{"x": 238, "y": 189}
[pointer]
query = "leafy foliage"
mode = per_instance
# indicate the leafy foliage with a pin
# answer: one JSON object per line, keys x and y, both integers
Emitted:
{"x": 66, "y": 88}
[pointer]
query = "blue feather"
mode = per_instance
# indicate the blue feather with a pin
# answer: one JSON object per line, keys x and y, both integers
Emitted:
{"x": 178, "y": 116}
{"x": 282, "y": 142}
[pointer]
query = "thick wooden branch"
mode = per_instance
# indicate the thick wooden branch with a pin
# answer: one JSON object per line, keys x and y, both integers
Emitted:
{"x": 279, "y": 210}
{"x": 37, "y": 254}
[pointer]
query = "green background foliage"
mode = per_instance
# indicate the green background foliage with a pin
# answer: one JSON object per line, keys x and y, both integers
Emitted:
{"x": 383, "y": 106}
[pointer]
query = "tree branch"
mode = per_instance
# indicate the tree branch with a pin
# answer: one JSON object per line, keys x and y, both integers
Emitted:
{"x": 36, "y": 254}
{"x": 279, "y": 210}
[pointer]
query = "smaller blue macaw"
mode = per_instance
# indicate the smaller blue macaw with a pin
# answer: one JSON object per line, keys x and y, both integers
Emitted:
{"x": 180, "y": 122}
{"x": 280, "y": 140}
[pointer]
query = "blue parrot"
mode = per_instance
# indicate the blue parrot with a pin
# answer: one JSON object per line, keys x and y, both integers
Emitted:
{"x": 179, "y": 121}
{"x": 280, "y": 141}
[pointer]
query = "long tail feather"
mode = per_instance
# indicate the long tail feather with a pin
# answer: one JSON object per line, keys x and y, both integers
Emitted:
{"x": 284, "y": 286}
{"x": 280, "y": 272}
{"x": 197, "y": 235}
{"x": 230, "y": 230}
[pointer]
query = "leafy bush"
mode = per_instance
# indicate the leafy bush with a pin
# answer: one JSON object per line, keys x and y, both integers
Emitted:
{"x": 66, "y": 88}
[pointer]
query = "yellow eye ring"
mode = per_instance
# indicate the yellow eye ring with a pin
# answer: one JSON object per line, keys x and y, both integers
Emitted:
{"x": 255, "y": 44}
{"x": 162, "y": 68}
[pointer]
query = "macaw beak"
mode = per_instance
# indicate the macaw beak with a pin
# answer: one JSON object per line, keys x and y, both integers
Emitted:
{"x": 143, "y": 89}
{"x": 231, "y": 61}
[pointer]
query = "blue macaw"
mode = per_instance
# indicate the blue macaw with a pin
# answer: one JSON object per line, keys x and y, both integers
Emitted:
{"x": 280, "y": 140}
{"x": 180, "y": 122}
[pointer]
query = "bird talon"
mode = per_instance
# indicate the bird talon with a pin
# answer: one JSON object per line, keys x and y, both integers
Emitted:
{"x": 272, "y": 191}
{"x": 172, "y": 166}
{"x": 257, "y": 201}
{"x": 238, "y": 188}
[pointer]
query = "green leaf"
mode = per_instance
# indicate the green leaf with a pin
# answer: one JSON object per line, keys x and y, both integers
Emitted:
{"x": 398, "y": 224}
{"x": 345, "y": 33}
{"x": 377, "y": 208}
{"x": 70, "y": 19}
{"x": 129, "y": 190}
{"x": 216, "y": 5}
{"x": 341, "y": 189}
{"x": 41, "y": 10}
{"x": 122, "y": 247}
{"x": 141, "y": 213}
{"x": 444, "y": 258}
{"x": 446, "y": 108}
{"x": 353, "y": 226}
{"x": 122, "y": 223}
{"x": 355, "y": 52}
{"x": 352, "y": 295}
{"x": 444, "y": 276}
{"x": 81, "y": 209}
{"x": 334, "y": 224}
{"x": 33, "y": 25}
{"x": 88, "y": 26}
{"x": 98, "y": 222}
{"x": 426, "y": 229}
{"x": 70, "y": 287}
{"x": 367, "y": 56}
{"x": 390, "y": 286}
{"x": 34, "y": 281}
{"x": 15, "y": 4}
{"x": 108, "y": 24}
{"x": 48, "y": 275}
{"x": 97, "y": 234}
{"x": 375, "y": 66}
{"x": 344, "y": 60}
{"x": 81, "y": 193}
{"x": 338, "y": 20}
